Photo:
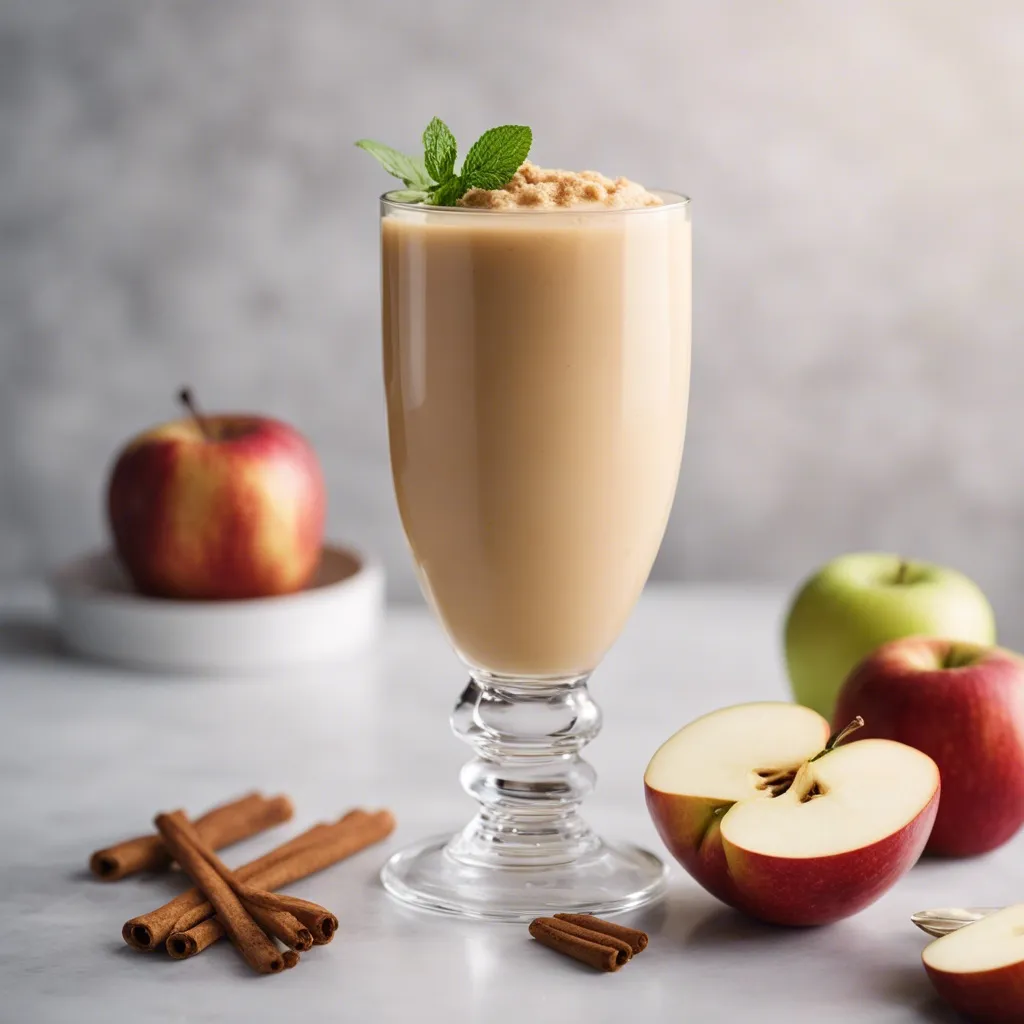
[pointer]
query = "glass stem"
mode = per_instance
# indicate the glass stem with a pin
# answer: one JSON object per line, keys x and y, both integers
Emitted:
{"x": 528, "y": 775}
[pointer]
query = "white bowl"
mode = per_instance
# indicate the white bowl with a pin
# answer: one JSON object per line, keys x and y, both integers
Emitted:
{"x": 100, "y": 615}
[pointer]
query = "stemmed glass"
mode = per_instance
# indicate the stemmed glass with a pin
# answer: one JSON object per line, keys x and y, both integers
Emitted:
{"x": 537, "y": 371}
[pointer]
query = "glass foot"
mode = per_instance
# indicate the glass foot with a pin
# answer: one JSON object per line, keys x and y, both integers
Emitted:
{"x": 603, "y": 879}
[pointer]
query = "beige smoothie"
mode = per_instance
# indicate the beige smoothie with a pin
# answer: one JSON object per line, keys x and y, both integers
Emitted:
{"x": 537, "y": 363}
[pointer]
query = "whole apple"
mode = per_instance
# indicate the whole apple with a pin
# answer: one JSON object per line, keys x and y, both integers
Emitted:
{"x": 217, "y": 508}
{"x": 858, "y": 602}
{"x": 779, "y": 821}
{"x": 963, "y": 705}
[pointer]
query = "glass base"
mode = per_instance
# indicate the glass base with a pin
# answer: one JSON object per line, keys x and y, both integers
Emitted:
{"x": 604, "y": 879}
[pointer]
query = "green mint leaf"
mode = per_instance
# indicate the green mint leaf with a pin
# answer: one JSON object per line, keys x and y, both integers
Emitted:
{"x": 448, "y": 192}
{"x": 439, "y": 150}
{"x": 409, "y": 195}
{"x": 409, "y": 169}
{"x": 496, "y": 156}
{"x": 490, "y": 163}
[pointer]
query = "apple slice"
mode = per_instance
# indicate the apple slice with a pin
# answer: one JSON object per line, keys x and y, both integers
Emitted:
{"x": 775, "y": 819}
{"x": 979, "y": 970}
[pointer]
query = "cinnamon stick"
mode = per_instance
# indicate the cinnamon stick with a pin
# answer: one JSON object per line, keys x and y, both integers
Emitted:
{"x": 185, "y": 917}
{"x": 188, "y": 942}
{"x": 148, "y": 931}
{"x": 637, "y": 939}
{"x": 283, "y": 926}
{"x": 184, "y": 944}
{"x": 181, "y": 945}
{"x": 321, "y": 923}
{"x": 289, "y": 918}
{"x": 622, "y": 948}
{"x": 603, "y": 952}
{"x": 252, "y": 942}
{"x": 344, "y": 839}
{"x": 353, "y": 833}
{"x": 220, "y": 827}
{"x": 336, "y": 842}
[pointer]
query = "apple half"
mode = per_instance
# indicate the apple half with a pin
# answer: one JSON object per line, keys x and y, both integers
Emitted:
{"x": 979, "y": 970}
{"x": 777, "y": 820}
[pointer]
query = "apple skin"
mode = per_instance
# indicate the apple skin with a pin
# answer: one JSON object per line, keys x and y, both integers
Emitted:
{"x": 236, "y": 512}
{"x": 987, "y": 997}
{"x": 784, "y": 890}
{"x": 857, "y": 602}
{"x": 969, "y": 719}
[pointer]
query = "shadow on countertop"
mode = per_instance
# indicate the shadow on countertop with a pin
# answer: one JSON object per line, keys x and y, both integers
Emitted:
{"x": 29, "y": 636}
{"x": 691, "y": 919}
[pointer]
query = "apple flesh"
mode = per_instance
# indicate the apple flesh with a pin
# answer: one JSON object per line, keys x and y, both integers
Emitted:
{"x": 218, "y": 507}
{"x": 979, "y": 970}
{"x": 745, "y": 803}
{"x": 963, "y": 705}
{"x": 857, "y": 602}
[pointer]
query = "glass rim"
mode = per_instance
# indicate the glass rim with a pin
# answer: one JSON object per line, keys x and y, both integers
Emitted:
{"x": 671, "y": 201}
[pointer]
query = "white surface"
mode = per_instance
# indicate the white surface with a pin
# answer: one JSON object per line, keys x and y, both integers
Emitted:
{"x": 100, "y": 615}
{"x": 89, "y": 754}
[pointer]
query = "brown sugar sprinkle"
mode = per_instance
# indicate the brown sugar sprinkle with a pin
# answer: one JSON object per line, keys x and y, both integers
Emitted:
{"x": 534, "y": 187}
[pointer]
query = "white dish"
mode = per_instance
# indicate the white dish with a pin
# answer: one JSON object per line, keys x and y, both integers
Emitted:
{"x": 100, "y": 616}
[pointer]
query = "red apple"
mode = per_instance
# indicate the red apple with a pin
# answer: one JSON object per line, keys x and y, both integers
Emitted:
{"x": 979, "y": 970}
{"x": 218, "y": 507}
{"x": 963, "y": 705}
{"x": 775, "y": 819}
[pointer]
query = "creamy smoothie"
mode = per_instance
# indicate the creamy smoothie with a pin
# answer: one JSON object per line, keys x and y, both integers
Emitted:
{"x": 537, "y": 362}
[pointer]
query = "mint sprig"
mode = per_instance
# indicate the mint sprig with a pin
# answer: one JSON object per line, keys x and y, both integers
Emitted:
{"x": 490, "y": 163}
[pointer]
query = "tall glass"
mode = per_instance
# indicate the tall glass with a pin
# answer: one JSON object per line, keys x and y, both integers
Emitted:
{"x": 537, "y": 368}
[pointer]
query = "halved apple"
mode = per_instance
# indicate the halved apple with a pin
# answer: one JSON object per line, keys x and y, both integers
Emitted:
{"x": 775, "y": 819}
{"x": 979, "y": 970}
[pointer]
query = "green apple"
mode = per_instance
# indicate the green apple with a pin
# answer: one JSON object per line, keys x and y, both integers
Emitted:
{"x": 856, "y": 603}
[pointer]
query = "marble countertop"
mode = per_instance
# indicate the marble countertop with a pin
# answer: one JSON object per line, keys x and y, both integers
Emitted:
{"x": 89, "y": 753}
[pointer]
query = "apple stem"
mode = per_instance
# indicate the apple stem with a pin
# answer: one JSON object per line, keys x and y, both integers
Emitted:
{"x": 836, "y": 738}
{"x": 901, "y": 572}
{"x": 186, "y": 399}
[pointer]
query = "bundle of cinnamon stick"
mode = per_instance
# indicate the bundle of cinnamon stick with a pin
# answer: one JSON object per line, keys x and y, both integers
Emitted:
{"x": 240, "y": 903}
{"x": 601, "y": 944}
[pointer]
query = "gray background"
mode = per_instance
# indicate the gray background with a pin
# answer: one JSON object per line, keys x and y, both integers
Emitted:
{"x": 180, "y": 201}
